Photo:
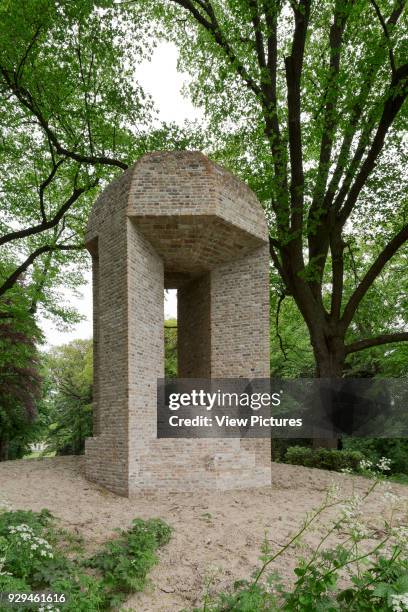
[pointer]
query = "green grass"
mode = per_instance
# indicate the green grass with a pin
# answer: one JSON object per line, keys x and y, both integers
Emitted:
{"x": 39, "y": 454}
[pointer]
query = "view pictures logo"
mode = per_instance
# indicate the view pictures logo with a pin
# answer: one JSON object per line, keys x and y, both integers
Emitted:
{"x": 220, "y": 399}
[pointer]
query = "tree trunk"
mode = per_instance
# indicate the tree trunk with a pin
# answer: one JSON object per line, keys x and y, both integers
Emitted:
{"x": 3, "y": 449}
{"x": 330, "y": 356}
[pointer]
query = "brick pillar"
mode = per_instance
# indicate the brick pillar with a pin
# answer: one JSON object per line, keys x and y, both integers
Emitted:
{"x": 240, "y": 327}
{"x": 146, "y": 348}
{"x": 107, "y": 452}
{"x": 193, "y": 329}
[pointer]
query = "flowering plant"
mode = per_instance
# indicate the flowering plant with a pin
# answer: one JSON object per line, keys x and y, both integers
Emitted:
{"x": 366, "y": 571}
{"x": 23, "y": 551}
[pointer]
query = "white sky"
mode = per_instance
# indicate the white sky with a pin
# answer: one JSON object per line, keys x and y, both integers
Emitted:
{"x": 160, "y": 78}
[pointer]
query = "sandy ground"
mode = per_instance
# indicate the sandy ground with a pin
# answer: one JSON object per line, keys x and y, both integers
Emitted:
{"x": 216, "y": 534}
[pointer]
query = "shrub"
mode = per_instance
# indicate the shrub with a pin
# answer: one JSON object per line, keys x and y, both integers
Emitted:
{"x": 326, "y": 459}
{"x": 279, "y": 446}
{"x": 36, "y": 555}
{"x": 126, "y": 561}
{"x": 396, "y": 449}
{"x": 36, "y": 520}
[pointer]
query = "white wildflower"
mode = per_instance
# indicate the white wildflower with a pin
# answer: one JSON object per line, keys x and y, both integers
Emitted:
{"x": 384, "y": 464}
{"x": 401, "y": 535}
{"x": 366, "y": 464}
{"x": 334, "y": 491}
{"x": 399, "y": 603}
{"x": 352, "y": 508}
{"x": 2, "y": 564}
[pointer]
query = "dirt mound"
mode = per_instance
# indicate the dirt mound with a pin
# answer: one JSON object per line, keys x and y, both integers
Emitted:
{"x": 215, "y": 533}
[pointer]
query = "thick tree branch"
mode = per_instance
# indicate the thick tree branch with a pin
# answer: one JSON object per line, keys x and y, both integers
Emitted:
{"x": 212, "y": 26}
{"x": 360, "y": 345}
{"x": 318, "y": 220}
{"x": 362, "y": 144}
{"x": 370, "y": 276}
{"x": 259, "y": 41}
{"x": 396, "y": 96}
{"x": 12, "y": 279}
{"x": 329, "y": 119}
{"x": 27, "y": 100}
{"x": 386, "y": 34}
{"x": 272, "y": 128}
{"x": 47, "y": 224}
{"x": 352, "y": 125}
{"x": 294, "y": 66}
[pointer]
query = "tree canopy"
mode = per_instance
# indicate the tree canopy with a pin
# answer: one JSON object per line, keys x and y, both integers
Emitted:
{"x": 307, "y": 101}
{"x": 304, "y": 100}
{"x": 72, "y": 116}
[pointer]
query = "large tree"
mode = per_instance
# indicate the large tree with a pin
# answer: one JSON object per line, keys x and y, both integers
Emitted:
{"x": 307, "y": 100}
{"x": 72, "y": 116}
{"x": 20, "y": 380}
{"x": 67, "y": 402}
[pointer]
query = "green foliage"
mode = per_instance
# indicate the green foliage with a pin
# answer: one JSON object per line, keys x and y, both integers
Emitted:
{"x": 297, "y": 98}
{"x": 35, "y": 520}
{"x": 383, "y": 309}
{"x": 20, "y": 380}
{"x": 396, "y": 449}
{"x": 126, "y": 561}
{"x": 72, "y": 116}
{"x": 27, "y": 543}
{"x": 379, "y": 587}
{"x": 62, "y": 71}
{"x": 67, "y": 403}
{"x": 170, "y": 348}
{"x": 364, "y": 573}
{"x": 291, "y": 351}
{"x": 325, "y": 459}
{"x": 279, "y": 446}
{"x": 36, "y": 555}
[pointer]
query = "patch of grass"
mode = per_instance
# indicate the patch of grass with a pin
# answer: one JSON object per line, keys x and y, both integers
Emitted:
{"x": 39, "y": 454}
{"x": 38, "y": 555}
{"x": 400, "y": 478}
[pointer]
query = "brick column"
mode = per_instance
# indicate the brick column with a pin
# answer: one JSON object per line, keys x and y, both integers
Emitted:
{"x": 193, "y": 328}
{"x": 240, "y": 327}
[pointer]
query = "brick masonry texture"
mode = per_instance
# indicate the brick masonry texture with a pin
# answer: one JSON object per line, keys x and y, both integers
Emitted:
{"x": 175, "y": 220}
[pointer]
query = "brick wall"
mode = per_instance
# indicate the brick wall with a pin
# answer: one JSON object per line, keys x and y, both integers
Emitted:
{"x": 176, "y": 220}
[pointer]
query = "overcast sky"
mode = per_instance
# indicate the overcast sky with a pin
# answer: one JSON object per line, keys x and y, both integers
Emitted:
{"x": 160, "y": 78}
